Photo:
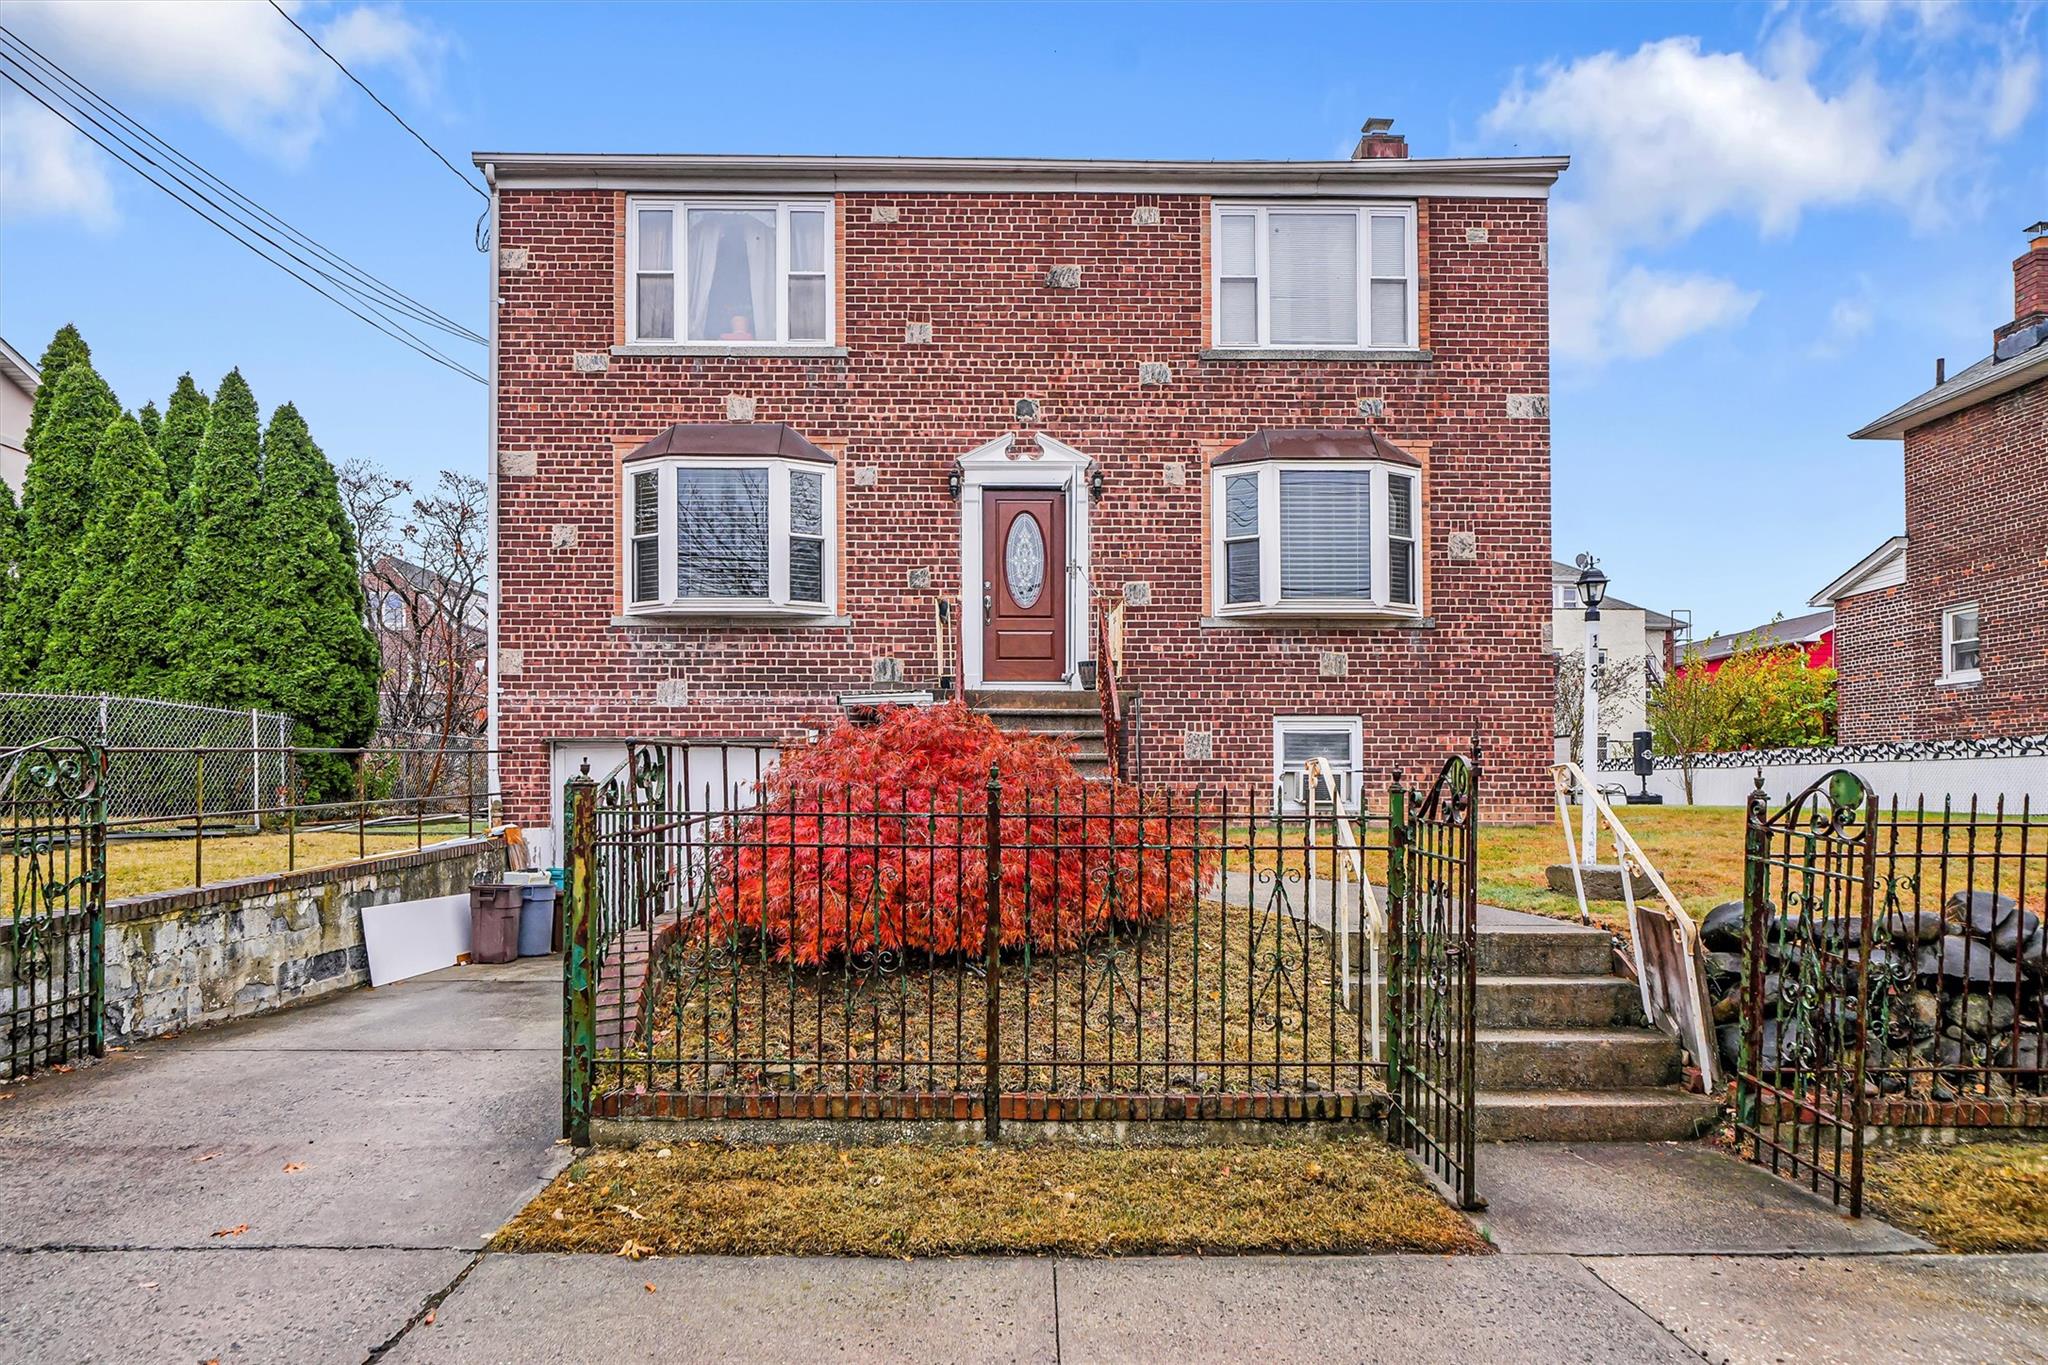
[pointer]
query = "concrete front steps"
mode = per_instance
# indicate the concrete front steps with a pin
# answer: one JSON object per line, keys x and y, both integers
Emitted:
{"x": 1075, "y": 717}
{"x": 1562, "y": 1049}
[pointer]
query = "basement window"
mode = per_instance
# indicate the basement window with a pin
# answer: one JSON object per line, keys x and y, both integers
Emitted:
{"x": 1337, "y": 740}
{"x": 1325, "y": 276}
{"x": 731, "y": 536}
{"x": 1959, "y": 653}
{"x": 1317, "y": 538}
{"x": 735, "y": 273}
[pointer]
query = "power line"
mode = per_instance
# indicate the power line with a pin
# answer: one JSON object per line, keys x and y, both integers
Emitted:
{"x": 388, "y": 295}
{"x": 471, "y": 185}
{"x": 12, "y": 70}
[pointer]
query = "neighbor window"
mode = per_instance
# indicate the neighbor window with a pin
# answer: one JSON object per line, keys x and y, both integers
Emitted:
{"x": 1323, "y": 276}
{"x": 729, "y": 534}
{"x": 1317, "y": 537}
{"x": 1959, "y": 644}
{"x": 729, "y": 272}
{"x": 1297, "y": 739}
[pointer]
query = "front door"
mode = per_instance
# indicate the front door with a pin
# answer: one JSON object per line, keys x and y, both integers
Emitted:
{"x": 1024, "y": 585}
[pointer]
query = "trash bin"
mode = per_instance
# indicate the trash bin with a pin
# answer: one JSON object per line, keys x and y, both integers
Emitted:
{"x": 536, "y": 921}
{"x": 493, "y": 922}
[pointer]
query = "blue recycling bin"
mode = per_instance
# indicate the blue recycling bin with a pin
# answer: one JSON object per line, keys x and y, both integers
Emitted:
{"x": 536, "y": 921}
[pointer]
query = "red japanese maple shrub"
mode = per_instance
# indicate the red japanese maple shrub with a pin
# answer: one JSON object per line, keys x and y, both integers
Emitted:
{"x": 875, "y": 841}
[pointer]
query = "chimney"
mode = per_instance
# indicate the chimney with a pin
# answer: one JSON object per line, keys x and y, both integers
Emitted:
{"x": 2029, "y": 325}
{"x": 1379, "y": 140}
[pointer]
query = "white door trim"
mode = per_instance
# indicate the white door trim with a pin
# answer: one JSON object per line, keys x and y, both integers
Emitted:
{"x": 1001, "y": 464}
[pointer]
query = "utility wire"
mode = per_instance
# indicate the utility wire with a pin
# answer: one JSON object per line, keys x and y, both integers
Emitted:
{"x": 389, "y": 298}
{"x": 68, "y": 113}
{"x": 471, "y": 185}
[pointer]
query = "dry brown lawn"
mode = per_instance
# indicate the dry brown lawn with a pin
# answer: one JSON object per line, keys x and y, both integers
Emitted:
{"x": 1344, "y": 1195}
{"x": 1973, "y": 1197}
{"x": 1697, "y": 849}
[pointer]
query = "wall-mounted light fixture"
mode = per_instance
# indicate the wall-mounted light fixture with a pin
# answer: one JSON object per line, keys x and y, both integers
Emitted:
{"x": 1095, "y": 484}
{"x": 953, "y": 483}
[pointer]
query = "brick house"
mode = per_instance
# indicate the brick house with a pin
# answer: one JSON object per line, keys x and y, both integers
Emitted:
{"x": 756, "y": 420}
{"x": 1940, "y": 632}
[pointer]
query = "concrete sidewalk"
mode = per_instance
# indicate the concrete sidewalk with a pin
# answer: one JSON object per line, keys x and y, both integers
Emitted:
{"x": 420, "y": 1117}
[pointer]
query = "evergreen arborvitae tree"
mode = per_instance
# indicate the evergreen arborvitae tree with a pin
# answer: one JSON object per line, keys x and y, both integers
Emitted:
{"x": 56, "y": 497}
{"x": 10, "y": 553}
{"x": 218, "y": 617}
{"x": 130, "y": 623}
{"x": 184, "y": 426}
{"x": 150, "y": 420}
{"x": 322, "y": 655}
{"x": 66, "y": 349}
{"x": 125, "y": 471}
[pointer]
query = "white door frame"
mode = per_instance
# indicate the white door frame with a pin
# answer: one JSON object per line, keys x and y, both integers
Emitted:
{"x": 998, "y": 464}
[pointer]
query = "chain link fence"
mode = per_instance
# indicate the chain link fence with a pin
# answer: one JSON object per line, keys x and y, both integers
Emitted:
{"x": 162, "y": 753}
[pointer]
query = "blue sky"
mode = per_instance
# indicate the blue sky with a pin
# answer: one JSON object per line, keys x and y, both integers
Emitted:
{"x": 1777, "y": 217}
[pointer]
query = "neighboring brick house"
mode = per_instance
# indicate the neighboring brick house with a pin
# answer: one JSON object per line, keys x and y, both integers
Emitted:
{"x": 1941, "y": 633}
{"x": 755, "y": 418}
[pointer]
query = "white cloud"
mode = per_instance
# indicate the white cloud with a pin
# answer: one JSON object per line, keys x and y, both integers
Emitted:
{"x": 43, "y": 172}
{"x": 1670, "y": 137}
{"x": 1851, "y": 316}
{"x": 238, "y": 65}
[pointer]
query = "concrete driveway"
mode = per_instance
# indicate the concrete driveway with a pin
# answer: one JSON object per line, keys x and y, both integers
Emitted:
{"x": 294, "y": 1188}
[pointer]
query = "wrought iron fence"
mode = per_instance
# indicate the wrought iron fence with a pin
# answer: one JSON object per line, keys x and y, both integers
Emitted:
{"x": 1895, "y": 974}
{"x": 53, "y": 871}
{"x": 779, "y": 949}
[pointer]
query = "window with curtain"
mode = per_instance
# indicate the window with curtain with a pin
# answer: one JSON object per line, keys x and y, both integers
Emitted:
{"x": 730, "y": 273}
{"x": 724, "y": 535}
{"x": 1961, "y": 660}
{"x": 1318, "y": 276}
{"x": 1319, "y": 537}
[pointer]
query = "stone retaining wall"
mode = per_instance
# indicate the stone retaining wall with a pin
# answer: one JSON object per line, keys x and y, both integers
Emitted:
{"x": 232, "y": 949}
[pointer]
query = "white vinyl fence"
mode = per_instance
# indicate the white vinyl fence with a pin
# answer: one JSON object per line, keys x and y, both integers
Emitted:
{"x": 1959, "y": 770}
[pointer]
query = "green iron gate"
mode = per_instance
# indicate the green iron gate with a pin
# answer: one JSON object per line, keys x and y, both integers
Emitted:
{"x": 1432, "y": 933}
{"x": 53, "y": 876}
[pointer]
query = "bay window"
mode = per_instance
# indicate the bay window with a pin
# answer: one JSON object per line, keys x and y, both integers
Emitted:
{"x": 728, "y": 272}
{"x": 1315, "y": 275}
{"x": 722, "y": 534}
{"x": 1317, "y": 537}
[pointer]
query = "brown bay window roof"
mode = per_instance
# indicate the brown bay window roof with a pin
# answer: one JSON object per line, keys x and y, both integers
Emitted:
{"x": 1314, "y": 443}
{"x": 757, "y": 440}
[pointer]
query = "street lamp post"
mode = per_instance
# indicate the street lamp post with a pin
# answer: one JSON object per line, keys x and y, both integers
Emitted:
{"x": 1592, "y": 592}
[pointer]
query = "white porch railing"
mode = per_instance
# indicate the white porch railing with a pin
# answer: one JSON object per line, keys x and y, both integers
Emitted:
{"x": 1347, "y": 860}
{"x": 1664, "y": 941}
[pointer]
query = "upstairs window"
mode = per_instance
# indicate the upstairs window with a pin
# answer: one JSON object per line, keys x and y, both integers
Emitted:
{"x": 733, "y": 535}
{"x": 1320, "y": 276}
{"x": 731, "y": 273}
{"x": 1317, "y": 538}
{"x": 1959, "y": 656}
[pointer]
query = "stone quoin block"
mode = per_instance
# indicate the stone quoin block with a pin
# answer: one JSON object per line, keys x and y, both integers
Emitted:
{"x": 1173, "y": 474}
{"x": 1063, "y": 277}
{"x": 885, "y": 213}
{"x": 1372, "y": 407}
{"x": 672, "y": 692}
{"x": 739, "y": 408}
{"x": 511, "y": 662}
{"x": 1154, "y": 373}
{"x": 1476, "y": 235}
{"x": 866, "y": 476}
{"x": 1462, "y": 545}
{"x": 591, "y": 362}
{"x": 919, "y": 578}
{"x": 917, "y": 333}
{"x": 1526, "y": 406}
{"x": 512, "y": 259}
{"x": 887, "y": 670}
{"x": 1198, "y": 746}
{"x": 563, "y": 535}
{"x": 1145, "y": 215}
{"x": 1138, "y": 593}
{"x": 1333, "y": 663}
{"x": 517, "y": 464}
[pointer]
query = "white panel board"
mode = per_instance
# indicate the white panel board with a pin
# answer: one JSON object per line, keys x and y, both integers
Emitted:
{"x": 412, "y": 937}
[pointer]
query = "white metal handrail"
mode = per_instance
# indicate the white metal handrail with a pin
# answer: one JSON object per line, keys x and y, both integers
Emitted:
{"x": 1347, "y": 864}
{"x": 1664, "y": 941}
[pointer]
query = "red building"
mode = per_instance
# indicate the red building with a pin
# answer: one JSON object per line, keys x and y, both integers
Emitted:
{"x": 1941, "y": 634}
{"x": 1813, "y": 635}
{"x": 756, "y": 418}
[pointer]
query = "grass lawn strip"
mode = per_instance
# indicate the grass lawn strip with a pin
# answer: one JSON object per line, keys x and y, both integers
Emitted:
{"x": 1973, "y": 1197}
{"x": 700, "y": 1198}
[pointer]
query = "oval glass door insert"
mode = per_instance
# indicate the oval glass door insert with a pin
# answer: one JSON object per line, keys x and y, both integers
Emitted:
{"x": 1024, "y": 561}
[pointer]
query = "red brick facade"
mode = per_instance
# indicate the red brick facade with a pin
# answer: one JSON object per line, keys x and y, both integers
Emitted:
{"x": 974, "y": 265}
{"x": 1976, "y": 532}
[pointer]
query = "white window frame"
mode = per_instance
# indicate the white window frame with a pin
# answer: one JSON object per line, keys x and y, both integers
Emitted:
{"x": 1287, "y": 792}
{"x": 1270, "y": 602}
{"x": 1364, "y": 213}
{"x": 679, "y": 238}
{"x": 1949, "y": 640}
{"x": 778, "y": 601}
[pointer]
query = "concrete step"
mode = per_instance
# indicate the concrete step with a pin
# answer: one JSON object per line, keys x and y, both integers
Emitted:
{"x": 1558, "y": 1002}
{"x": 1648, "y": 1115}
{"x": 1559, "y": 950}
{"x": 1062, "y": 699}
{"x": 1574, "y": 1059}
{"x": 1044, "y": 719}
